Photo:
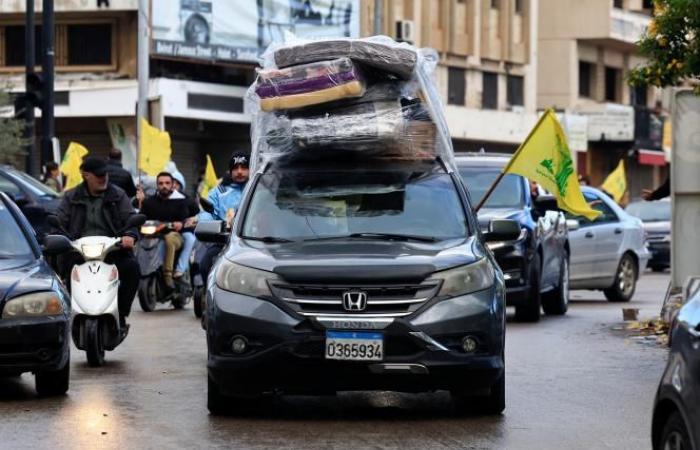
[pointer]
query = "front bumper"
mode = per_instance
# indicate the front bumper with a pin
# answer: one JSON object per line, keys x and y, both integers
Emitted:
{"x": 33, "y": 344}
{"x": 421, "y": 353}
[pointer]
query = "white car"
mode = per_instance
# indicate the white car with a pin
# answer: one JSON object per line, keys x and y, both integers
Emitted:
{"x": 608, "y": 253}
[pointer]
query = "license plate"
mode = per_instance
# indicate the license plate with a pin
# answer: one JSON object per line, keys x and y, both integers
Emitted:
{"x": 354, "y": 346}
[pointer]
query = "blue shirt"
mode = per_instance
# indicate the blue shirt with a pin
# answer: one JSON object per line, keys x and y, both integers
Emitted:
{"x": 224, "y": 197}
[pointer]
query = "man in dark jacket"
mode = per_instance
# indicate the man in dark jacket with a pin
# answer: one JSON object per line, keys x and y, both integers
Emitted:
{"x": 98, "y": 208}
{"x": 118, "y": 175}
{"x": 662, "y": 191}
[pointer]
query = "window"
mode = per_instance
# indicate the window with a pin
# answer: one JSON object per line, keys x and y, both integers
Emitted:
{"x": 648, "y": 4}
{"x": 90, "y": 45}
{"x": 14, "y": 54}
{"x": 456, "y": 86}
{"x": 514, "y": 92}
{"x": 612, "y": 77}
{"x": 495, "y": 4}
{"x": 639, "y": 96}
{"x": 489, "y": 96}
{"x": 519, "y": 6}
{"x": 617, "y": 4}
{"x": 508, "y": 193}
{"x": 598, "y": 204}
{"x": 585, "y": 76}
{"x": 9, "y": 187}
{"x": 13, "y": 242}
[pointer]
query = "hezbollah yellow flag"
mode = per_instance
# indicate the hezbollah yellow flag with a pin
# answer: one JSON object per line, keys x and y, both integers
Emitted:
{"x": 616, "y": 182}
{"x": 210, "y": 180}
{"x": 155, "y": 149}
{"x": 70, "y": 164}
{"x": 544, "y": 157}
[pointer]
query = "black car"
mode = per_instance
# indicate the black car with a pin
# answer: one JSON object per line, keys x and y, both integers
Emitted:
{"x": 656, "y": 217}
{"x": 35, "y": 199}
{"x": 34, "y": 305}
{"x": 536, "y": 264}
{"x": 676, "y": 419}
{"x": 356, "y": 276}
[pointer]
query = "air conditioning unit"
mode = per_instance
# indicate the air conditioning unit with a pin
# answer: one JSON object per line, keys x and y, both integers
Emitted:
{"x": 404, "y": 31}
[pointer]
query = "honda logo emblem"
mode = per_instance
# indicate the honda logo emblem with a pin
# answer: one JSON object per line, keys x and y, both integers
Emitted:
{"x": 354, "y": 301}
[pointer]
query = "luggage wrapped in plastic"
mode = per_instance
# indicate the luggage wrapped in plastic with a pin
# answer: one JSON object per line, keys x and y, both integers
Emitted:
{"x": 398, "y": 113}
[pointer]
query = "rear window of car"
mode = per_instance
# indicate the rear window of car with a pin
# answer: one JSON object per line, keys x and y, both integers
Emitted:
{"x": 508, "y": 193}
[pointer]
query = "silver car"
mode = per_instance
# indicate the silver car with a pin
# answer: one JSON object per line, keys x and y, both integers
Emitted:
{"x": 608, "y": 253}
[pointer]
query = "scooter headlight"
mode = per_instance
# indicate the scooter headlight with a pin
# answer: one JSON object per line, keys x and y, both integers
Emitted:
{"x": 148, "y": 230}
{"x": 33, "y": 305}
{"x": 92, "y": 250}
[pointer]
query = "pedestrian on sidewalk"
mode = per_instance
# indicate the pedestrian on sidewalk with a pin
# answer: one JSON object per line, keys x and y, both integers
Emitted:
{"x": 52, "y": 177}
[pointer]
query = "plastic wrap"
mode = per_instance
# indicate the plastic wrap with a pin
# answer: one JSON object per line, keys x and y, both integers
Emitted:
{"x": 398, "y": 113}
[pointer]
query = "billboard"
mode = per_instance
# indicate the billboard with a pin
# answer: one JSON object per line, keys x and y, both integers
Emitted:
{"x": 239, "y": 30}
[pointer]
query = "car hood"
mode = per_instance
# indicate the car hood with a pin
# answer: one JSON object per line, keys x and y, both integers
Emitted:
{"x": 354, "y": 260}
{"x": 657, "y": 227}
{"x": 486, "y": 215}
{"x": 20, "y": 276}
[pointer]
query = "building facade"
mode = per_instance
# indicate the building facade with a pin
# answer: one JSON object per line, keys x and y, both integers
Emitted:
{"x": 585, "y": 51}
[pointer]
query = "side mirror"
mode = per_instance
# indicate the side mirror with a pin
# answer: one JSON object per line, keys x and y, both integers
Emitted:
{"x": 53, "y": 222}
{"x": 206, "y": 205}
{"x": 55, "y": 244}
{"x": 212, "y": 231}
{"x": 502, "y": 230}
{"x": 135, "y": 220}
{"x": 573, "y": 224}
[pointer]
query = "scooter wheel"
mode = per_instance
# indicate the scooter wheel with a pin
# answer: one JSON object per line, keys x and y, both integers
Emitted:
{"x": 94, "y": 347}
{"x": 147, "y": 294}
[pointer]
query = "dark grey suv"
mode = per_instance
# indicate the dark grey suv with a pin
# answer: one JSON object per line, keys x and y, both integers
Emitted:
{"x": 356, "y": 276}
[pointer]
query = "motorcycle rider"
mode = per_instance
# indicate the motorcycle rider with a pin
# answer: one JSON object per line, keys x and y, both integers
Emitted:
{"x": 225, "y": 198}
{"x": 188, "y": 238}
{"x": 168, "y": 205}
{"x": 98, "y": 208}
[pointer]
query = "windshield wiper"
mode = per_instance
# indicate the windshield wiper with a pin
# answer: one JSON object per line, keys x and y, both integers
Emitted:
{"x": 268, "y": 239}
{"x": 380, "y": 236}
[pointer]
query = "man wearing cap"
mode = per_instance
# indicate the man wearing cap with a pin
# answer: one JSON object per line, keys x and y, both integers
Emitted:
{"x": 98, "y": 208}
{"x": 225, "y": 198}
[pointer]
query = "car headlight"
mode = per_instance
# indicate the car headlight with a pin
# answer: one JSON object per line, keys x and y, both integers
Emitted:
{"x": 243, "y": 280}
{"x": 464, "y": 280}
{"x": 33, "y": 305}
{"x": 92, "y": 250}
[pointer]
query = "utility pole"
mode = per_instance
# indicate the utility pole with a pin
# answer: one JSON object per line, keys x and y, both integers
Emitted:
{"x": 47, "y": 75}
{"x": 29, "y": 61}
{"x": 143, "y": 72}
{"x": 378, "y": 17}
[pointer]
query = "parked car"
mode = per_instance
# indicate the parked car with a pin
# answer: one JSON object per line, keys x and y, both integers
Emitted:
{"x": 676, "y": 418}
{"x": 356, "y": 276}
{"x": 607, "y": 253}
{"x": 35, "y": 199}
{"x": 34, "y": 305}
{"x": 536, "y": 265}
{"x": 656, "y": 217}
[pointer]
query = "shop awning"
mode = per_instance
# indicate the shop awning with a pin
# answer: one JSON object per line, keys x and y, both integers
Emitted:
{"x": 651, "y": 157}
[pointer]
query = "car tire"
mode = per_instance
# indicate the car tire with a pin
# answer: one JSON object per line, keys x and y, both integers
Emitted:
{"x": 625, "y": 283}
{"x": 94, "y": 347}
{"x": 674, "y": 434}
{"x": 492, "y": 404}
{"x": 50, "y": 383}
{"x": 219, "y": 404}
{"x": 197, "y": 301}
{"x": 530, "y": 311}
{"x": 147, "y": 294}
{"x": 556, "y": 301}
{"x": 657, "y": 268}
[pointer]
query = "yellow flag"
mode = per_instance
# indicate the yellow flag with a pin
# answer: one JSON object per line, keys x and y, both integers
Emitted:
{"x": 616, "y": 182}
{"x": 544, "y": 157}
{"x": 155, "y": 149}
{"x": 210, "y": 180}
{"x": 70, "y": 165}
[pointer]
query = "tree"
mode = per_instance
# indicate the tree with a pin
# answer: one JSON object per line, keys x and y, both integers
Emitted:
{"x": 11, "y": 140}
{"x": 672, "y": 44}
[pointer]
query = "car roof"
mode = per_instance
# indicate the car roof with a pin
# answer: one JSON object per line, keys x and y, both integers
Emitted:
{"x": 482, "y": 159}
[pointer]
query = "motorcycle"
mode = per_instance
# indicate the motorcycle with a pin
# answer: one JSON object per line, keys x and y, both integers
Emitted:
{"x": 150, "y": 254}
{"x": 94, "y": 285}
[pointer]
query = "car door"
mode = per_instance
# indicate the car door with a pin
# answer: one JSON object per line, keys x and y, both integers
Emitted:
{"x": 607, "y": 237}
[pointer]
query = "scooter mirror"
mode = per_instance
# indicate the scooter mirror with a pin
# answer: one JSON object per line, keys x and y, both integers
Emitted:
{"x": 135, "y": 220}
{"x": 206, "y": 205}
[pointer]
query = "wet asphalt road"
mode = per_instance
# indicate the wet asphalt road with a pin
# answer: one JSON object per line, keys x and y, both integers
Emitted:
{"x": 572, "y": 382}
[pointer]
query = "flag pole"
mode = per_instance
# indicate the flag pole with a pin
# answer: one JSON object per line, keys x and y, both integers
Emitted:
{"x": 503, "y": 172}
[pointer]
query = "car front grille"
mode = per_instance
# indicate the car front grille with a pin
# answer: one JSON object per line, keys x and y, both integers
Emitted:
{"x": 381, "y": 300}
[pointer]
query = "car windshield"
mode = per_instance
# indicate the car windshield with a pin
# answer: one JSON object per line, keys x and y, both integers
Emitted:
{"x": 306, "y": 205}
{"x": 37, "y": 187}
{"x": 508, "y": 193}
{"x": 13, "y": 242}
{"x": 651, "y": 211}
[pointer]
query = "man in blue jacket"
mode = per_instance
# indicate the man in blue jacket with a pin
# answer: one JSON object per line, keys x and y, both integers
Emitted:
{"x": 226, "y": 199}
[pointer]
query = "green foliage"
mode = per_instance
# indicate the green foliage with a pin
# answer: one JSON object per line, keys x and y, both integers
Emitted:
{"x": 672, "y": 44}
{"x": 11, "y": 141}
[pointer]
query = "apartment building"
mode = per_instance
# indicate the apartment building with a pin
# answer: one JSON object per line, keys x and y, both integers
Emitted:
{"x": 487, "y": 72}
{"x": 585, "y": 51}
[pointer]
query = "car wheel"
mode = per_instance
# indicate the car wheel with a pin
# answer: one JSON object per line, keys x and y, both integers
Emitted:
{"x": 197, "y": 302}
{"x": 221, "y": 405}
{"x": 147, "y": 294}
{"x": 556, "y": 302}
{"x": 53, "y": 382}
{"x": 492, "y": 404}
{"x": 94, "y": 347}
{"x": 674, "y": 435}
{"x": 625, "y": 280}
{"x": 530, "y": 312}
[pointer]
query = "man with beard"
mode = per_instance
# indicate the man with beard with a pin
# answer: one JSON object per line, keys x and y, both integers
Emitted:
{"x": 169, "y": 205}
{"x": 98, "y": 208}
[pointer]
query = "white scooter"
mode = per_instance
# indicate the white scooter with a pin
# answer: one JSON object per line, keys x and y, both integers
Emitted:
{"x": 94, "y": 305}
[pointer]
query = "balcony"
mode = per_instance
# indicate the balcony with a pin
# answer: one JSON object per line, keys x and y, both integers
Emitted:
{"x": 627, "y": 26}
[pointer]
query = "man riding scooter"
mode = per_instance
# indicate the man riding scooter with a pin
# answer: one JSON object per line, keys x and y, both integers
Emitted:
{"x": 225, "y": 200}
